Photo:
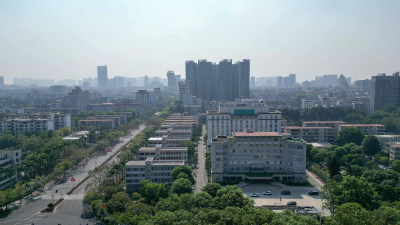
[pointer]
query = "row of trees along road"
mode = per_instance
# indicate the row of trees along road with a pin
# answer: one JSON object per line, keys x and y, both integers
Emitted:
{"x": 45, "y": 156}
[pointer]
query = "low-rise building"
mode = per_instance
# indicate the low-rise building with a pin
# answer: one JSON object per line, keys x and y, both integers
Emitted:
{"x": 9, "y": 159}
{"x": 311, "y": 134}
{"x": 174, "y": 133}
{"x": 258, "y": 156}
{"x": 158, "y": 171}
{"x": 106, "y": 124}
{"x": 106, "y": 107}
{"x": 386, "y": 141}
{"x": 333, "y": 124}
{"x": 167, "y": 141}
{"x": 160, "y": 152}
{"x": 239, "y": 117}
{"x": 395, "y": 151}
{"x": 373, "y": 129}
{"x": 31, "y": 123}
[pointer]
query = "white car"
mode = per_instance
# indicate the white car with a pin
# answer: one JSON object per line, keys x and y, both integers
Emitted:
{"x": 254, "y": 195}
{"x": 267, "y": 193}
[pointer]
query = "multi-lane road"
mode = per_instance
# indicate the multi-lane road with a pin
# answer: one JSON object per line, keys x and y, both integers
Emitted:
{"x": 69, "y": 211}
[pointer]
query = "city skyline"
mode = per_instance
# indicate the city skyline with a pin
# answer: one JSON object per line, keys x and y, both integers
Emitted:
{"x": 308, "y": 38}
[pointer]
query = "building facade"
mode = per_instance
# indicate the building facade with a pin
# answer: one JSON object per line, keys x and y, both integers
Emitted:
{"x": 258, "y": 156}
{"x": 373, "y": 129}
{"x": 9, "y": 160}
{"x": 158, "y": 171}
{"x": 79, "y": 99}
{"x": 102, "y": 76}
{"x": 384, "y": 90}
{"x": 143, "y": 97}
{"x": 239, "y": 117}
{"x": 311, "y": 134}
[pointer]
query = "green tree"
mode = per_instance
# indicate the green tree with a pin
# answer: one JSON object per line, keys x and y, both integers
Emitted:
{"x": 153, "y": 192}
{"x": 395, "y": 165}
{"x": 349, "y": 135}
{"x": 370, "y": 145}
{"x": 350, "y": 214}
{"x": 91, "y": 196}
{"x": 135, "y": 196}
{"x": 231, "y": 195}
{"x": 203, "y": 200}
{"x": 333, "y": 165}
{"x": 212, "y": 188}
{"x": 385, "y": 215}
{"x": 181, "y": 186}
{"x": 119, "y": 202}
{"x": 351, "y": 189}
{"x": 183, "y": 169}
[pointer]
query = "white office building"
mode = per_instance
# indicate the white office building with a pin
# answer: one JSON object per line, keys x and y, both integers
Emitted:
{"x": 9, "y": 160}
{"x": 160, "y": 152}
{"x": 158, "y": 171}
{"x": 240, "y": 117}
{"x": 258, "y": 156}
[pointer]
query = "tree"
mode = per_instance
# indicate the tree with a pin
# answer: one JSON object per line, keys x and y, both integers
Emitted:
{"x": 385, "y": 215}
{"x": 91, "y": 196}
{"x": 110, "y": 191}
{"x": 370, "y": 145}
{"x": 203, "y": 200}
{"x": 232, "y": 196}
{"x": 350, "y": 214}
{"x": 183, "y": 169}
{"x": 153, "y": 192}
{"x": 333, "y": 165}
{"x": 135, "y": 196}
{"x": 395, "y": 165}
{"x": 119, "y": 202}
{"x": 212, "y": 188}
{"x": 351, "y": 189}
{"x": 350, "y": 135}
{"x": 182, "y": 186}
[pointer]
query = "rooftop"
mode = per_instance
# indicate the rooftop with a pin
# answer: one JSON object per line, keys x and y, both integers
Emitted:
{"x": 387, "y": 136}
{"x": 323, "y": 122}
{"x": 256, "y": 134}
{"x": 136, "y": 163}
{"x": 362, "y": 125}
{"x": 306, "y": 128}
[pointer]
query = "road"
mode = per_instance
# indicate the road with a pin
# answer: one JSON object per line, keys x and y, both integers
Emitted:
{"x": 201, "y": 174}
{"x": 69, "y": 211}
{"x": 315, "y": 180}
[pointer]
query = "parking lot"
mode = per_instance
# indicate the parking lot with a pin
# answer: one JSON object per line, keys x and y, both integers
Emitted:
{"x": 298, "y": 194}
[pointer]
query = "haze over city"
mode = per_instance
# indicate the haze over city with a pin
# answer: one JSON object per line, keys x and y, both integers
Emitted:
{"x": 199, "y": 112}
{"x": 68, "y": 39}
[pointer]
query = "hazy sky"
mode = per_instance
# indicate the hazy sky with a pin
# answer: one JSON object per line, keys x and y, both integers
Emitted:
{"x": 68, "y": 39}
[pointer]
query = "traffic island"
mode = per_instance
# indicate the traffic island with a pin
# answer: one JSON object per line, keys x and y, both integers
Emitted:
{"x": 51, "y": 207}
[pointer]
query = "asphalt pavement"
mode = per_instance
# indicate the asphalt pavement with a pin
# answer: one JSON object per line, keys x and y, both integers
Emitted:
{"x": 69, "y": 211}
{"x": 201, "y": 174}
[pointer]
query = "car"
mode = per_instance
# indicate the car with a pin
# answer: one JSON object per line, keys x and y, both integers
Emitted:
{"x": 291, "y": 203}
{"x": 267, "y": 193}
{"x": 313, "y": 193}
{"x": 285, "y": 192}
{"x": 254, "y": 195}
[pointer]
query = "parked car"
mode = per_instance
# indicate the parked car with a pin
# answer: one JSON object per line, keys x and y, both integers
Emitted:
{"x": 291, "y": 203}
{"x": 254, "y": 195}
{"x": 285, "y": 192}
{"x": 313, "y": 193}
{"x": 267, "y": 193}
